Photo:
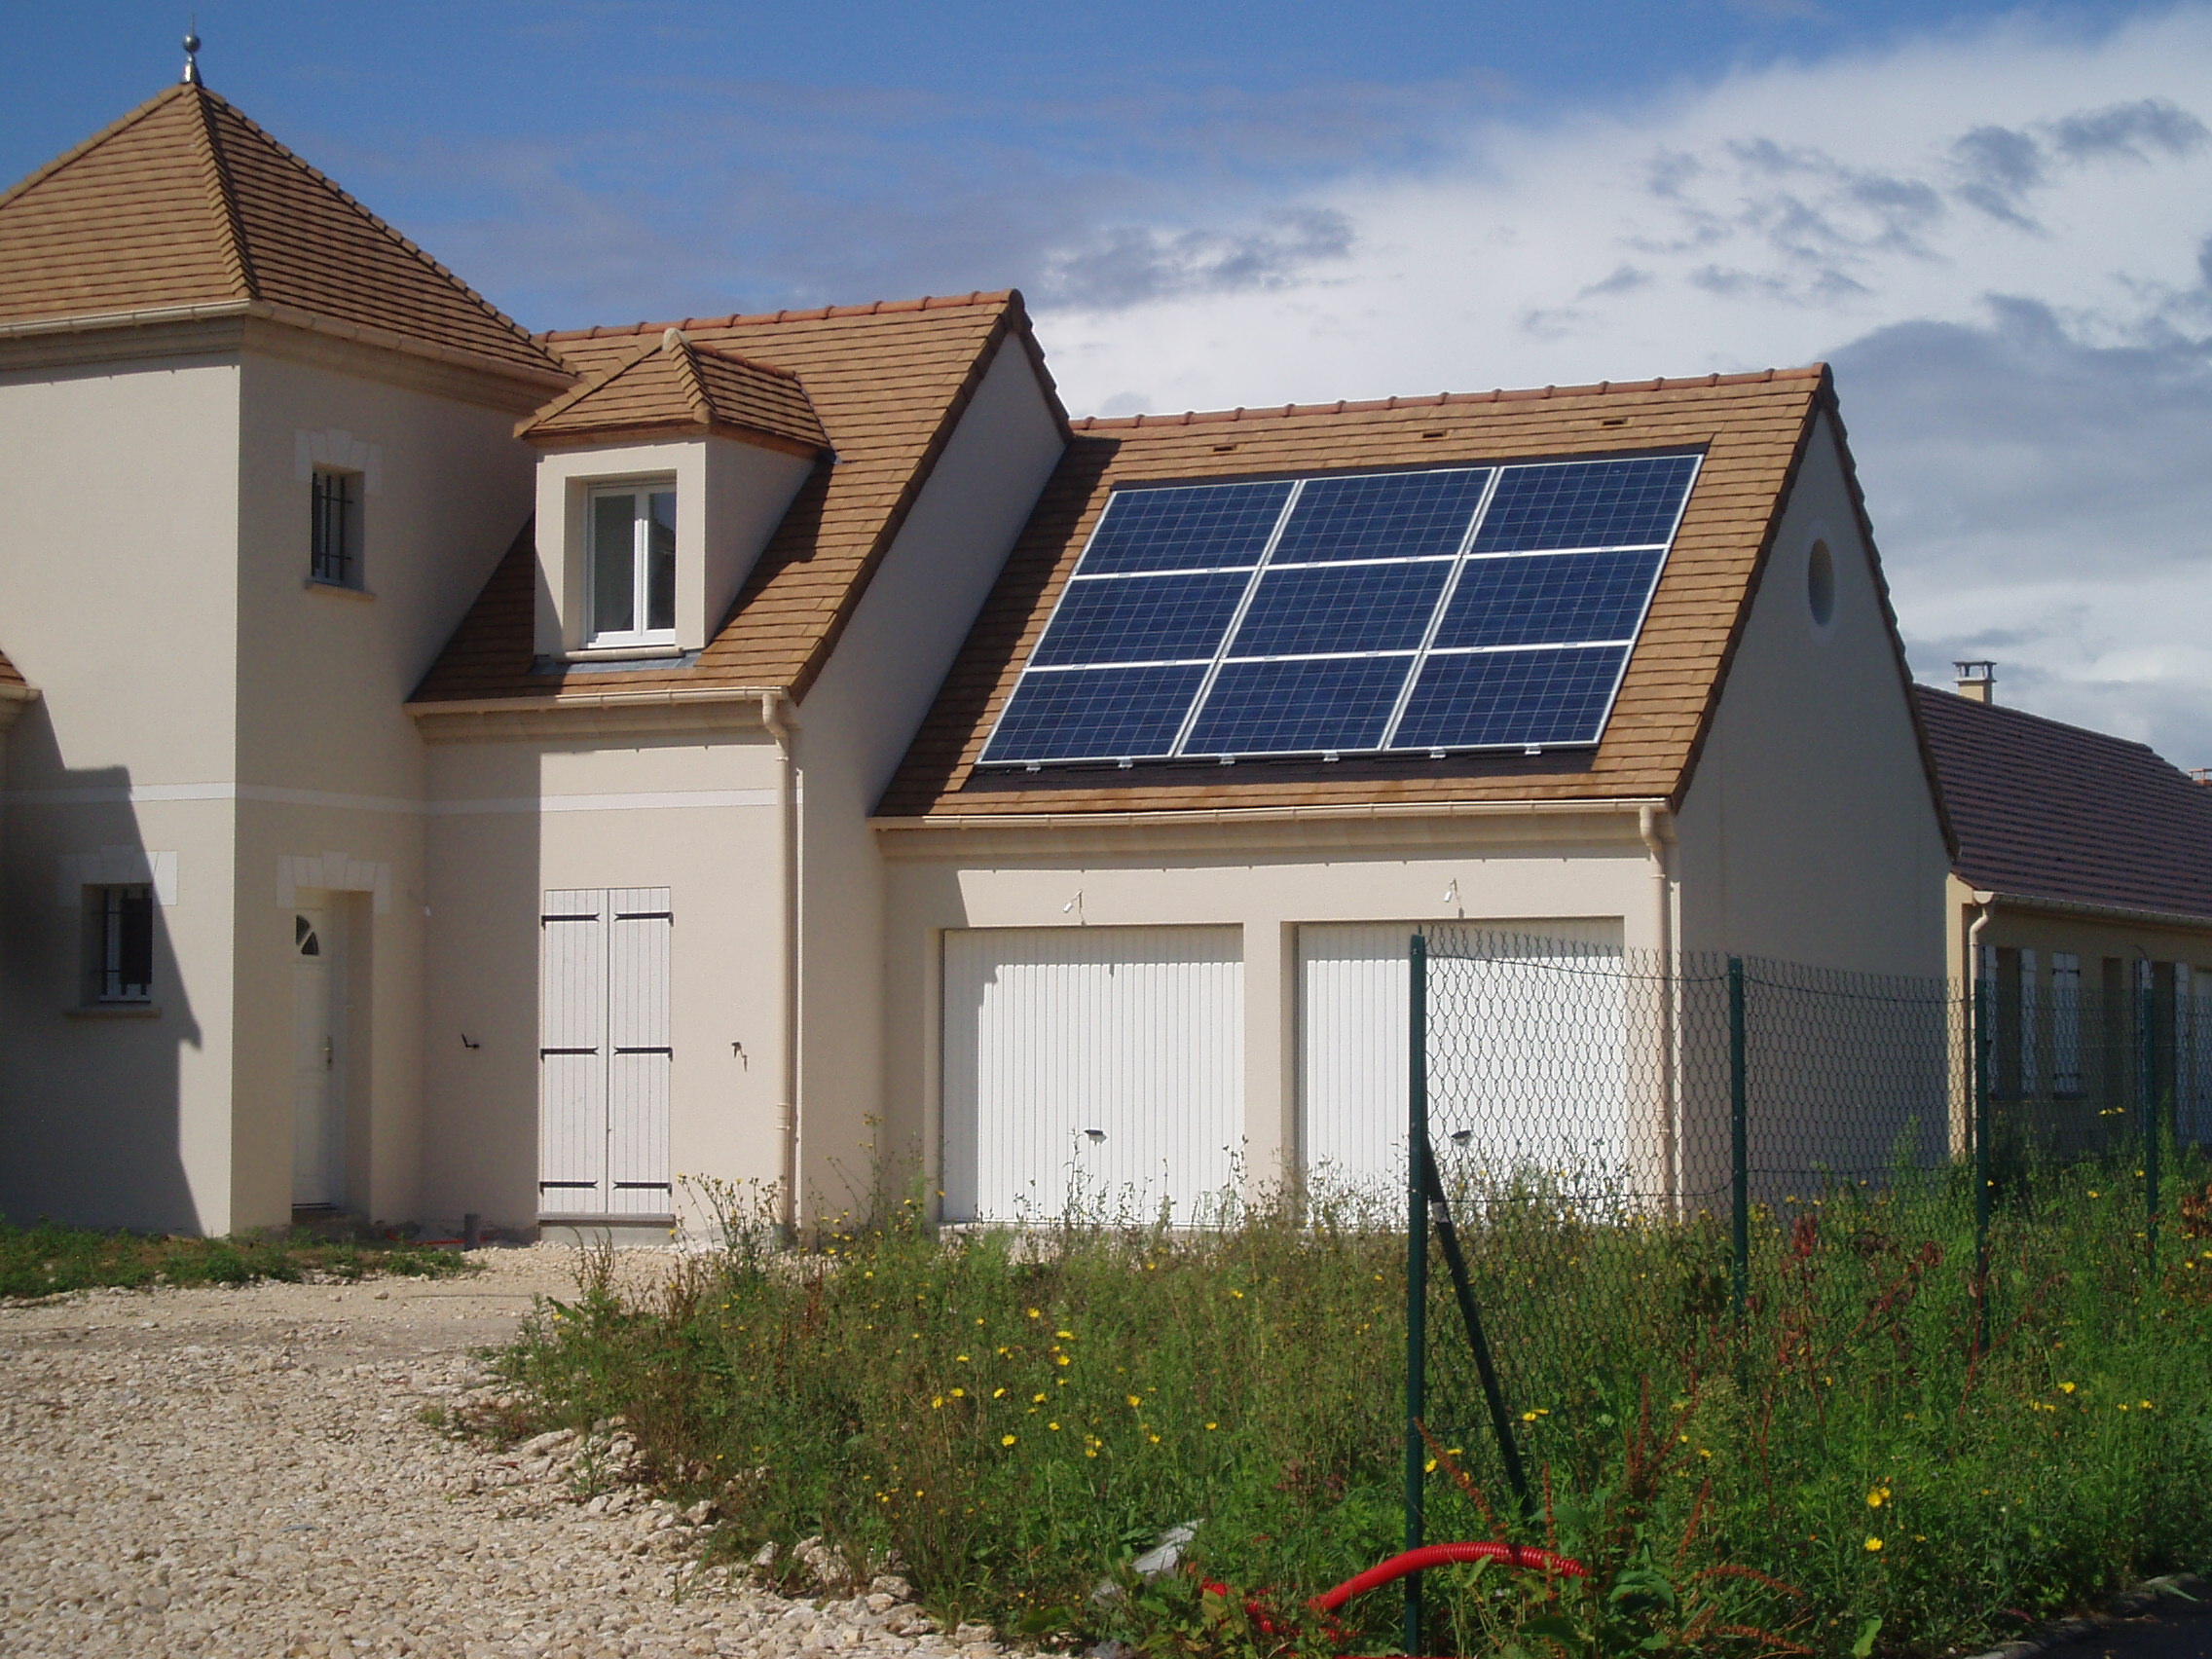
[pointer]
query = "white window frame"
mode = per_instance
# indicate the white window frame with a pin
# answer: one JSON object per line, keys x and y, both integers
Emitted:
{"x": 640, "y": 491}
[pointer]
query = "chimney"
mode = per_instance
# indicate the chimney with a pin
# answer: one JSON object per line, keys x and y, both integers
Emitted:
{"x": 1977, "y": 681}
{"x": 2201, "y": 775}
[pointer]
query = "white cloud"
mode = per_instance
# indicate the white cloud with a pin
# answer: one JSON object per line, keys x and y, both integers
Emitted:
{"x": 1999, "y": 236}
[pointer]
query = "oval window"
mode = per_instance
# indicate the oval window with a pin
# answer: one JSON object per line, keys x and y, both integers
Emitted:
{"x": 1819, "y": 584}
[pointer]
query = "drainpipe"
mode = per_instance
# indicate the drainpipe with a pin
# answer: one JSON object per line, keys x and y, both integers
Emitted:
{"x": 1662, "y": 931}
{"x": 787, "y": 957}
{"x": 1985, "y": 904}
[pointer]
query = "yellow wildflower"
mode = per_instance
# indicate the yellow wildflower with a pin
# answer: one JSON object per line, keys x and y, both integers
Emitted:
{"x": 1133, "y": 1400}
{"x": 1877, "y": 1497}
{"x": 2066, "y": 1387}
{"x": 1873, "y": 1546}
{"x": 1005, "y": 1439}
{"x": 1036, "y": 1399}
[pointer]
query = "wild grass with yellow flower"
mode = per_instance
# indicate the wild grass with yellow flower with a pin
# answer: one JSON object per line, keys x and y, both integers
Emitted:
{"x": 1896, "y": 1448}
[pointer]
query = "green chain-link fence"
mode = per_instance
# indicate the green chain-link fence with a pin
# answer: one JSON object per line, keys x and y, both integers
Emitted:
{"x": 1611, "y": 1153}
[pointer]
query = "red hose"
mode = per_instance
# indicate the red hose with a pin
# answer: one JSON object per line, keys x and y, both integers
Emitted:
{"x": 1443, "y": 1555}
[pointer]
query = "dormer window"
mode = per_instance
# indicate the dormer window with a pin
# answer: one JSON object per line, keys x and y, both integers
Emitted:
{"x": 668, "y": 424}
{"x": 632, "y": 565}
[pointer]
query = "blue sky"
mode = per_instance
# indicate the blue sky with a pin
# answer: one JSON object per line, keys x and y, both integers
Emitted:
{"x": 1994, "y": 221}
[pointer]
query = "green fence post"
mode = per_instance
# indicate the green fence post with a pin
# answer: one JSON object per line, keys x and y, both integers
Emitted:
{"x": 1982, "y": 1042}
{"x": 1738, "y": 1139}
{"x": 1417, "y": 1270}
{"x": 2151, "y": 1118}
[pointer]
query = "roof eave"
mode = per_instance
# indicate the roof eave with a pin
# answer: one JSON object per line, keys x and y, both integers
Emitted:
{"x": 2090, "y": 911}
{"x": 1362, "y": 811}
{"x": 289, "y": 316}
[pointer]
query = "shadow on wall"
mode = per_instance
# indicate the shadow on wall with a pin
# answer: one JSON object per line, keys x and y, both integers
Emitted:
{"x": 91, "y": 1108}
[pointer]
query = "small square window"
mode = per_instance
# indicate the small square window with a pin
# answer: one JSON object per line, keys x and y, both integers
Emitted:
{"x": 337, "y": 519}
{"x": 118, "y": 943}
{"x": 632, "y": 566}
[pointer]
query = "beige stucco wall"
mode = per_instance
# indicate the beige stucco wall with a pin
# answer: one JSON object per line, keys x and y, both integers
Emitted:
{"x": 119, "y": 507}
{"x": 855, "y": 726}
{"x": 328, "y": 762}
{"x": 1809, "y": 831}
{"x": 1542, "y": 872}
{"x": 514, "y": 816}
{"x": 201, "y": 701}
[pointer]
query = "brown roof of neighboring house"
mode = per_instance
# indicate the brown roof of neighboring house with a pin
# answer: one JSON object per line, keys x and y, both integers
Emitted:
{"x": 1752, "y": 430}
{"x": 185, "y": 202}
{"x": 677, "y": 385}
{"x": 9, "y": 675}
{"x": 888, "y": 382}
{"x": 2051, "y": 811}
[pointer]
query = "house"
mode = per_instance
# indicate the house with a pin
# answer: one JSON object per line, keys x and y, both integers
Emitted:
{"x": 2082, "y": 903}
{"x": 476, "y": 771}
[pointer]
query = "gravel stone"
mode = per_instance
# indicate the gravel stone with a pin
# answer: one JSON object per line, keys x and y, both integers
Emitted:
{"x": 246, "y": 1472}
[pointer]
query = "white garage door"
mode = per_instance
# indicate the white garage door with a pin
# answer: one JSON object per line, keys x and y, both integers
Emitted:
{"x": 1094, "y": 1069}
{"x": 1526, "y": 1059}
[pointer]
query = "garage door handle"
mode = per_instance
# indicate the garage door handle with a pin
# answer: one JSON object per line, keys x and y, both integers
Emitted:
{"x": 1095, "y": 1135}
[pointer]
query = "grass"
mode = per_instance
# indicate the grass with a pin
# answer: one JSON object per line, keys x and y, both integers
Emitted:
{"x": 46, "y": 1260}
{"x": 1887, "y": 1453}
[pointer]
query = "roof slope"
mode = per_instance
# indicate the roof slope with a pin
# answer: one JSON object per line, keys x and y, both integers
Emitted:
{"x": 889, "y": 383}
{"x": 184, "y": 201}
{"x": 1751, "y": 428}
{"x": 675, "y": 384}
{"x": 2051, "y": 811}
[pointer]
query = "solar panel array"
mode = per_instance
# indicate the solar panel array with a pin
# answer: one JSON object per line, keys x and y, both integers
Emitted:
{"x": 1423, "y": 612}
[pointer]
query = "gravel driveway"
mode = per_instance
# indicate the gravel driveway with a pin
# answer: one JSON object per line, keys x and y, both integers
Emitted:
{"x": 219, "y": 1472}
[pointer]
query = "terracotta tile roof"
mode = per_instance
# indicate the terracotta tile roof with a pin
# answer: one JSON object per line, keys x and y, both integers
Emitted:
{"x": 887, "y": 380}
{"x": 2051, "y": 811}
{"x": 675, "y": 384}
{"x": 184, "y": 201}
{"x": 1751, "y": 428}
{"x": 10, "y": 676}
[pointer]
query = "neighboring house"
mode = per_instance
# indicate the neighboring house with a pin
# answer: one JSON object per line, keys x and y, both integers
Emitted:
{"x": 2081, "y": 899}
{"x": 482, "y": 772}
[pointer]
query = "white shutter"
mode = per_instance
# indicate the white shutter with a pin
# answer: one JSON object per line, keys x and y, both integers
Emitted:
{"x": 640, "y": 1054}
{"x": 605, "y": 1054}
{"x": 571, "y": 1089}
{"x": 1102, "y": 1065}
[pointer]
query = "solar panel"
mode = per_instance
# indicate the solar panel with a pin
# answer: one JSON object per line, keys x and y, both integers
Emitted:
{"x": 1486, "y": 699}
{"x": 1549, "y": 599}
{"x": 1094, "y": 714}
{"x": 1448, "y": 608}
{"x": 1341, "y": 607}
{"x": 1301, "y": 704}
{"x": 1142, "y": 619}
{"x": 1586, "y": 504}
{"x": 1381, "y": 515}
{"x": 1206, "y": 524}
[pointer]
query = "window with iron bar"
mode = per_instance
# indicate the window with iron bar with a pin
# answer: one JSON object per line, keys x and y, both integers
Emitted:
{"x": 337, "y": 520}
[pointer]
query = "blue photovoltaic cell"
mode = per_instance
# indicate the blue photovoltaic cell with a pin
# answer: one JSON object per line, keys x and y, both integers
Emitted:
{"x": 1548, "y": 599}
{"x": 1341, "y": 607}
{"x": 1508, "y": 697}
{"x": 1141, "y": 619}
{"x": 1392, "y": 515}
{"x": 1586, "y": 504}
{"x": 1094, "y": 714}
{"x": 1184, "y": 529}
{"x": 1268, "y": 708}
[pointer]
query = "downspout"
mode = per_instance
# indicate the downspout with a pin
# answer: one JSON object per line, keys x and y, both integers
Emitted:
{"x": 787, "y": 959}
{"x": 1663, "y": 1038}
{"x": 1986, "y": 907}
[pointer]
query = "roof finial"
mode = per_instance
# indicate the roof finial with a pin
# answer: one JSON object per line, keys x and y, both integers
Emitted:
{"x": 191, "y": 54}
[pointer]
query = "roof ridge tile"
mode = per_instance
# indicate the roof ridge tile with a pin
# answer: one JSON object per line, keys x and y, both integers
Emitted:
{"x": 820, "y": 314}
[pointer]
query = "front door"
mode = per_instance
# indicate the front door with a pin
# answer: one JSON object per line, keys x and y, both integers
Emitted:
{"x": 315, "y": 1065}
